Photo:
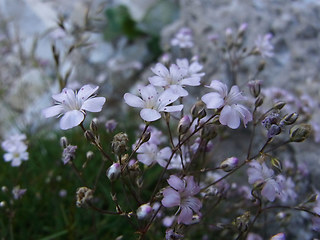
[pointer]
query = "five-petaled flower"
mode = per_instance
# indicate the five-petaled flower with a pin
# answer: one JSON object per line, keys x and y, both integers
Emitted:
{"x": 73, "y": 105}
{"x": 153, "y": 102}
{"x": 263, "y": 45}
{"x": 181, "y": 193}
{"x": 231, "y": 109}
{"x": 16, "y": 149}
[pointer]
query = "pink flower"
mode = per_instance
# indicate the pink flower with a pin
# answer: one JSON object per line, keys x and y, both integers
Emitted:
{"x": 183, "y": 38}
{"x": 152, "y": 102}
{"x": 263, "y": 45}
{"x": 261, "y": 174}
{"x": 231, "y": 110}
{"x": 73, "y": 105}
{"x": 180, "y": 193}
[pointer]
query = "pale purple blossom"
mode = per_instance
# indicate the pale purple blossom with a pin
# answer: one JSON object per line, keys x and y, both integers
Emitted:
{"x": 168, "y": 221}
{"x": 73, "y": 105}
{"x": 263, "y": 45}
{"x": 144, "y": 211}
{"x": 16, "y": 150}
{"x": 153, "y": 102}
{"x": 69, "y": 153}
{"x": 149, "y": 153}
{"x": 288, "y": 192}
{"x": 181, "y": 193}
{"x": 183, "y": 38}
{"x": 261, "y": 174}
{"x": 191, "y": 72}
{"x": 231, "y": 109}
{"x": 254, "y": 236}
{"x": 111, "y": 125}
{"x": 17, "y": 192}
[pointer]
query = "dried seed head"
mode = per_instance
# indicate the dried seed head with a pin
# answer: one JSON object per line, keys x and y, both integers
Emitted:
{"x": 119, "y": 143}
{"x": 84, "y": 195}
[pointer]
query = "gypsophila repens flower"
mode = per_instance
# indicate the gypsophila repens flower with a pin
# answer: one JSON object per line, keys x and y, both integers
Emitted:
{"x": 17, "y": 192}
{"x": 153, "y": 102}
{"x": 16, "y": 149}
{"x": 183, "y": 38}
{"x": 181, "y": 193}
{"x": 231, "y": 109}
{"x": 263, "y": 45}
{"x": 72, "y": 106}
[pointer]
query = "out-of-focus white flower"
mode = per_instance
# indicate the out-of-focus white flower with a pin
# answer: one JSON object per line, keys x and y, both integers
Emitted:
{"x": 17, "y": 192}
{"x": 152, "y": 102}
{"x": 183, "y": 38}
{"x": 16, "y": 150}
{"x": 149, "y": 153}
{"x": 263, "y": 45}
{"x": 73, "y": 105}
{"x": 288, "y": 192}
{"x": 231, "y": 109}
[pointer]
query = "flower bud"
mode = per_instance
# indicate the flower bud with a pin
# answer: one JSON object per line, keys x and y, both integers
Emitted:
{"x": 144, "y": 211}
{"x": 273, "y": 131}
{"x": 111, "y": 125}
{"x": 84, "y": 194}
{"x": 229, "y": 164}
{"x": 2, "y": 204}
{"x": 114, "y": 171}
{"x": 255, "y": 87}
{"x": 279, "y": 105}
{"x": 89, "y": 155}
{"x": 243, "y": 27}
{"x": 299, "y": 133}
{"x": 258, "y": 102}
{"x": 276, "y": 163}
{"x": 184, "y": 125}
{"x": 146, "y": 137}
{"x": 93, "y": 125}
{"x": 89, "y": 136}
{"x": 289, "y": 119}
{"x": 4, "y": 189}
{"x": 197, "y": 110}
{"x": 312, "y": 198}
{"x": 261, "y": 66}
{"x": 63, "y": 142}
{"x": 119, "y": 143}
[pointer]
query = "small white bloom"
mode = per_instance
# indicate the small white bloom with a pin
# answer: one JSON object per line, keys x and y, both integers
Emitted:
{"x": 152, "y": 102}
{"x": 16, "y": 150}
{"x": 73, "y": 105}
{"x": 183, "y": 38}
{"x": 263, "y": 45}
{"x": 149, "y": 153}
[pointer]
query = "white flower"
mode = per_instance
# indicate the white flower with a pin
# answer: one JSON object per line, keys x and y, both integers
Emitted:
{"x": 232, "y": 111}
{"x": 148, "y": 153}
{"x": 192, "y": 74}
{"x": 16, "y": 150}
{"x": 263, "y": 45}
{"x": 152, "y": 102}
{"x": 73, "y": 105}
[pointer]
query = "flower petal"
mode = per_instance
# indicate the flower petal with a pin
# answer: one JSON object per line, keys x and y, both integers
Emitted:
{"x": 133, "y": 100}
{"x": 52, "y": 111}
{"x": 176, "y": 108}
{"x": 71, "y": 119}
{"x": 160, "y": 70}
{"x": 86, "y": 91}
{"x": 185, "y": 216}
{"x": 171, "y": 198}
{"x": 213, "y": 100}
{"x": 176, "y": 183}
{"x": 229, "y": 117}
{"x": 63, "y": 95}
{"x": 93, "y": 104}
{"x": 158, "y": 81}
{"x": 149, "y": 115}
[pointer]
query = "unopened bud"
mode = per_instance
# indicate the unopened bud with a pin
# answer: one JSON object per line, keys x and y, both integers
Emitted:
{"x": 289, "y": 119}
{"x": 89, "y": 155}
{"x": 276, "y": 163}
{"x": 89, "y": 136}
{"x": 243, "y": 27}
{"x": 255, "y": 87}
{"x": 279, "y": 105}
{"x": 299, "y": 133}
{"x": 111, "y": 125}
{"x": 258, "y": 102}
{"x": 261, "y": 66}
{"x": 144, "y": 211}
{"x": 2, "y": 204}
{"x": 273, "y": 131}
{"x": 119, "y": 143}
{"x": 312, "y": 198}
{"x": 146, "y": 137}
{"x": 84, "y": 194}
{"x": 114, "y": 171}
{"x": 4, "y": 189}
{"x": 93, "y": 125}
{"x": 197, "y": 110}
{"x": 184, "y": 124}
{"x": 63, "y": 142}
{"x": 229, "y": 164}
